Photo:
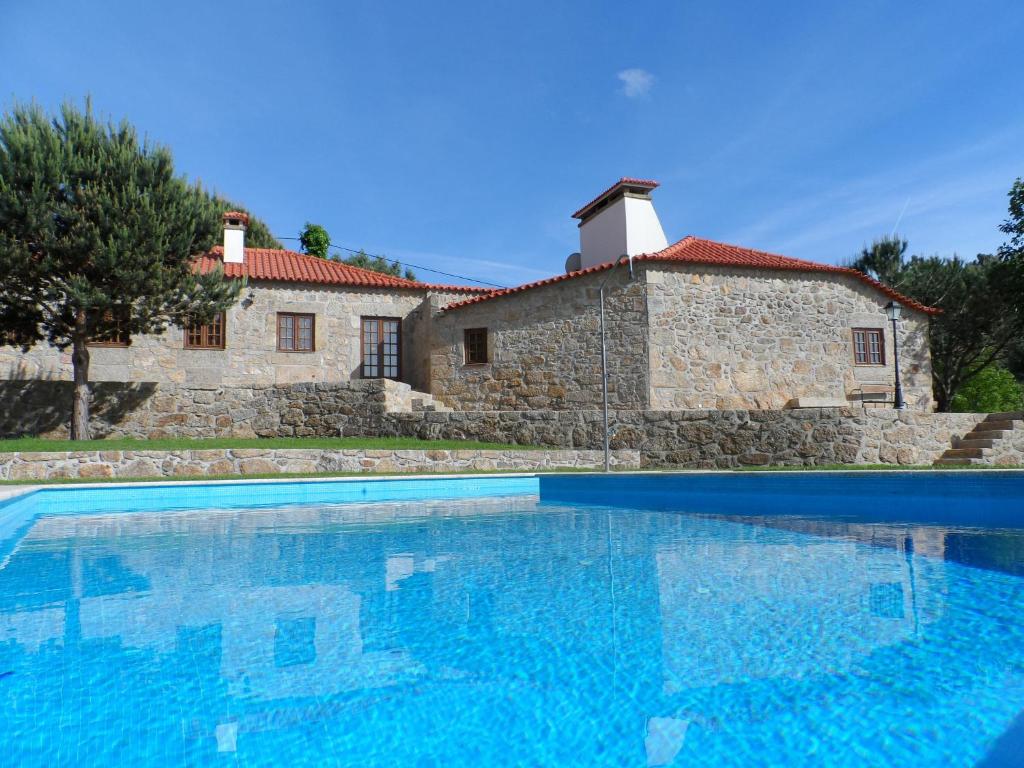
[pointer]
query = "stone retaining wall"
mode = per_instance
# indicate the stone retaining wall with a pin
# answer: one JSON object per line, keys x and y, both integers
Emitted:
{"x": 254, "y": 461}
{"x": 150, "y": 411}
{"x": 693, "y": 438}
{"x": 718, "y": 439}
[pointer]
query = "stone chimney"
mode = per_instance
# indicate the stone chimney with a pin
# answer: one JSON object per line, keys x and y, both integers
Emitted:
{"x": 621, "y": 220}
{"x": 235, "y": 224}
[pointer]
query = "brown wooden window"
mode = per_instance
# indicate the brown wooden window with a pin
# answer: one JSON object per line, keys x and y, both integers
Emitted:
{"x": 112, "y": 329}
{"x": 868, "y": 346}
{"x": 206, "y": 335}
{"x": 475, "y": 342}
{"x": 381, "y": 348}
{"x": 295, "y": 332}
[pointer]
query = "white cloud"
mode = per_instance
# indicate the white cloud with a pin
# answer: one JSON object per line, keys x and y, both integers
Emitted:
{"x": 635, "y": 82}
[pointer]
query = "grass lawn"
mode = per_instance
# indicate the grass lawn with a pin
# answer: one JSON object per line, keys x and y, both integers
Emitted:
{"x": 37, "y": 444}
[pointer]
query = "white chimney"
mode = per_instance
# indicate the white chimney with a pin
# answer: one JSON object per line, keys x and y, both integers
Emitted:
{"x": 621, "y": 220}
{"x": 235, "y": 223}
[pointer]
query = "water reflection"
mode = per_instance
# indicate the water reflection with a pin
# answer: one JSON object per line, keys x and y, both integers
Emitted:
{"x": 500, "y": 632}
{"x": 999, "y": 549}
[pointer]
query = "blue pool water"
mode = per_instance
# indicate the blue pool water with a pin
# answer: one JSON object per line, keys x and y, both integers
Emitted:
{"x": 562, "y": 620}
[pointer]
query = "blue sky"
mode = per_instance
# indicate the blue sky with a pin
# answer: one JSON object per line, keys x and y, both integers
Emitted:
{"x": 462, "y": 135}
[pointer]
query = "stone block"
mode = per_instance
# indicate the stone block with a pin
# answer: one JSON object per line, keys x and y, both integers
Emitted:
{"x": 256, "y": 466}
{"x": 95, "y": 470}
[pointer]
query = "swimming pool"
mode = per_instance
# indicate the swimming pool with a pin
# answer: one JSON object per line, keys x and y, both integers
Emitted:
{"x": 690, "y": 619}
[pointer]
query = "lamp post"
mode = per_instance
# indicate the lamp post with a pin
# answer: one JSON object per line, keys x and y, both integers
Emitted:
{"x": 893, "y": 311}
{"x": 604, "y": 355}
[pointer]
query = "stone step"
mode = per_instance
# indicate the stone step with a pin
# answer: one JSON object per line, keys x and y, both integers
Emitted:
{"x": 1003, "y": 424}
{"x": 1006, "y": 416}
{"x": 976, "y": 442}
{"x": 986, "y": 434}
{"x": 954, "y": 462}
{"x": 963, "y": 453}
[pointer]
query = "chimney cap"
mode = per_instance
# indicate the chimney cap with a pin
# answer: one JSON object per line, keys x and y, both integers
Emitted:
{"x": 625, "y": 184}
{"x": 236, "y": 217}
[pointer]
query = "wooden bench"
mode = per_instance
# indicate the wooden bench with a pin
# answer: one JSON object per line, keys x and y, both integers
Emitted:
{"x": 876, "y": 395}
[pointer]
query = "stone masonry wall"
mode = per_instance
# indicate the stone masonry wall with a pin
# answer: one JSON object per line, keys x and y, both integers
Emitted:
{"x": 544, "y": 349}
{"x": 250, "y": 357}
{"x": 694, "y": 438}
{"x": 254, "y": 461}
{"x": 148, "y": 410}
{"x": 757, "y": 339}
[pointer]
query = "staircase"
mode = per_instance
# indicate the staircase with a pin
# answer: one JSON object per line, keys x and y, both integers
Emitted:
{"x": 401, "y": 398}
{"x": 995, "y": 440}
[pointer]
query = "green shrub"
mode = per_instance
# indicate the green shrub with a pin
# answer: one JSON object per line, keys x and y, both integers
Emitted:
{"x": 992, "y": 389}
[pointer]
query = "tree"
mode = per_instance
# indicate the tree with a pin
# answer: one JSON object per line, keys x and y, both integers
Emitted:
{"x": 981, "y": 316}
{"x": 982, "y": 301}
{"x": 981, "y": 313}
{"x": 1014, "y": 226}
{"x": 883, "y": 260}
{"x": 257, "y": 233}
{"x": 314, "y": 240}
{"x": 379, "y": 264}
{"x": 991, "y": 389}
{"x": 96, "y": 228}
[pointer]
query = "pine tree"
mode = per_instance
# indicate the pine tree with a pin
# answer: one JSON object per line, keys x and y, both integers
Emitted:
{"x": 94, "y": 225}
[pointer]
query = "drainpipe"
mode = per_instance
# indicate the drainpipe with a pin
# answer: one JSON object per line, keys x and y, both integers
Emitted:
{"x": 604, "y": 355}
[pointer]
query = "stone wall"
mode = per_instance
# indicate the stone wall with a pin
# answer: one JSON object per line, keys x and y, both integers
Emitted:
{"x": 694, "y": 438}
{"x": 252, "y": 461}
{"x": 679, "y": 337}
{"x": 148, "y": 410}
{"x": 718, "y": 439}
{"x": 544, "y": 349}
{"x": 757, "y": 339}
{"x": 1010, "y": 449}
{"x": 250, "y": 357}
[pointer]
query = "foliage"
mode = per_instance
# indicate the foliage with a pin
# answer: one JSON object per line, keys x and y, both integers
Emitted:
{"x": 982, "y": 314}
{"x": 211, "y": 230}
{"x": 95, "y": 224}
{"x": 982, "y": 301}
{"x": 991, "y": 389}
{"x": 379, "y": 264}
{"x": 883, "y": 260}
{"x": 1015, "y": 358}
{"x": 314, "y": 240}
{"x": 1014, "y": 226}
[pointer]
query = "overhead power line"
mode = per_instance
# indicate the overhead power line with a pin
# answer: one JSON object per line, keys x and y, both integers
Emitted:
{"x": 404, "y": 263}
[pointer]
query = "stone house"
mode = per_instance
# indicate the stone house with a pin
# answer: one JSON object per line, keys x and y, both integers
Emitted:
{"x": 693, "y": 325}
{"x": 300, "y": 319}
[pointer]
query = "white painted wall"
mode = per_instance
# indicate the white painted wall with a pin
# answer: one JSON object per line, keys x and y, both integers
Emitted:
{"x": 629, "y": 225}
{"x": 643, "y": 228}
{"x": 234, "y": 244}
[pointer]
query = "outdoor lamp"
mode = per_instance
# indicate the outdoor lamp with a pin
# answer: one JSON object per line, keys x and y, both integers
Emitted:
{"x": 893, "y": 310}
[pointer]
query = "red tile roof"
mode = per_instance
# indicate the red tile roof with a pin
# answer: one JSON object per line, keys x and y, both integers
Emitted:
{"x": 695, "y": 250}
{"x": 292, "y": 267}
{"x": 625, "y": 181}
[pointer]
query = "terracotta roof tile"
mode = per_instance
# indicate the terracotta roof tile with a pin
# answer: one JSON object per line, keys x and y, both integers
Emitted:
{"x": 625, "y": 181}
{"x": 293, "y": 267}
{"x": 695, "y": 250}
